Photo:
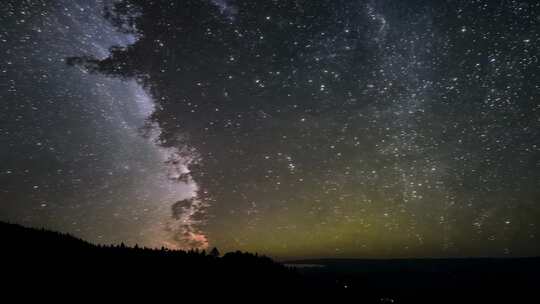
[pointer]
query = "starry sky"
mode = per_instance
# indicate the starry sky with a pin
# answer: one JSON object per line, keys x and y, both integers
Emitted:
{"x": 331, "y": 128}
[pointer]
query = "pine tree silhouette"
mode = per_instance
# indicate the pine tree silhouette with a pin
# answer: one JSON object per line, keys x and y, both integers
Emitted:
{"x": 214, "y": 253}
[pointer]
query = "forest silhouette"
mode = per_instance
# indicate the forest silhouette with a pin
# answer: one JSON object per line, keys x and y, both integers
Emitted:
{"x": 44, "y": 260}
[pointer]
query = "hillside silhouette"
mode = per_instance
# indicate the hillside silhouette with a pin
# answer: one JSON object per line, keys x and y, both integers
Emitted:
{"x": 41, "y": 257}
{"x": 47, "y": 261}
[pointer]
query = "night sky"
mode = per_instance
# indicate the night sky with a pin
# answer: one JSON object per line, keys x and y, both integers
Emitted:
{"x": 328, "y": 128}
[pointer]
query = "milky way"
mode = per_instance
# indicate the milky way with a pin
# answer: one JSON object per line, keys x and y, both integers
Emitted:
{"x": 294, "y": 128}
{"x": 77, "y": 154}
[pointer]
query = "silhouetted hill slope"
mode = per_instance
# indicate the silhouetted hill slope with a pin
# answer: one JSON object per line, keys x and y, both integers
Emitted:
{"x": 43, "y": 257}
{"x": 45, "y": 261}
{"x": 17, "y": 238}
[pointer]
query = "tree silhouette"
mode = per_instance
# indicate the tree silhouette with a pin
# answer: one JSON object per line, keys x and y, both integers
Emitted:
{"x": 56, "y": 259}
{"x": 214, "y": 253}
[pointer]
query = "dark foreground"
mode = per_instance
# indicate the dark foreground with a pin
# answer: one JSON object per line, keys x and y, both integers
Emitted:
{"x": 45, "y": 264}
